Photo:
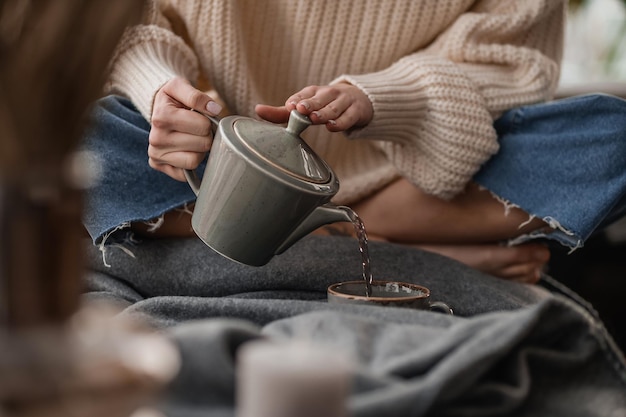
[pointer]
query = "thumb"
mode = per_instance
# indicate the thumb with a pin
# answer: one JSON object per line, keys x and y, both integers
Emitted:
{"x": 182, "y": 91}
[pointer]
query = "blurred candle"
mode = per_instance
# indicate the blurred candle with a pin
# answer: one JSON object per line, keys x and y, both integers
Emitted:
{"x": 291, "y": 380}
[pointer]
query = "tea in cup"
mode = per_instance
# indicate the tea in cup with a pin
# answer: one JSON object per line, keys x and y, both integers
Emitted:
{"x": 385, "y": 293}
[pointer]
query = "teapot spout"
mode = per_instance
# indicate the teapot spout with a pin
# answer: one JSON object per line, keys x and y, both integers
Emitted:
{"x": 324, "y": 214}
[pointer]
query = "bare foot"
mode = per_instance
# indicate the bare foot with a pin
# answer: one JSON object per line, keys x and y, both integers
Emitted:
{"x": 467, "y": 228}
{"x": 522, "y": 263}
{"x": 403, "y": 213}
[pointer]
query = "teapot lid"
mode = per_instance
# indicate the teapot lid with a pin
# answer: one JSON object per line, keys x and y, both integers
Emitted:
{"x": 283, "y": 147}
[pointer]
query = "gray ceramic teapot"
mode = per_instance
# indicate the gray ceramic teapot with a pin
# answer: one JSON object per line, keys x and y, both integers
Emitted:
{"x": 262, "y": 190}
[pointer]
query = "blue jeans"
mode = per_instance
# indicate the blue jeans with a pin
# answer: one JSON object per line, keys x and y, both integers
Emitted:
{"x": 562, "y": 161}
{"x": 128, "y": 189}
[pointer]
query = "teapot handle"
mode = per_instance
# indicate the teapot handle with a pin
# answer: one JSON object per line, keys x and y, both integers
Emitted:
{"x": 193, "y": 180}
{"x": 190, "y": 174}
{"x": 441, "y": 307}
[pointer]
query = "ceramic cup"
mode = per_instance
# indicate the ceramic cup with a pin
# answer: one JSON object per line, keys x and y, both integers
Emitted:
{"x": 386, "y": 293}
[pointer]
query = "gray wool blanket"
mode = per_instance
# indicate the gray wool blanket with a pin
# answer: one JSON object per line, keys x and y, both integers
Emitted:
{"x": 510, "y": 349}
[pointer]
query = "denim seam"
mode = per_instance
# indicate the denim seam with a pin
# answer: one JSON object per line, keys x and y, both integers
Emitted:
{"x": 589, "y": 314}
{"x": 605, "y": 341}
{"x": 516, "y": 119}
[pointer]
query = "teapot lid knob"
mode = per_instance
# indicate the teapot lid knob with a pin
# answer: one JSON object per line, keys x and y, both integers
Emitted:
{"x": 297, "y": 123}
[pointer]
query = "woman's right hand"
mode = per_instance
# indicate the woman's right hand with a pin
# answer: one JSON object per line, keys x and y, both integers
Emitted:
{"x": 179, "y": 137}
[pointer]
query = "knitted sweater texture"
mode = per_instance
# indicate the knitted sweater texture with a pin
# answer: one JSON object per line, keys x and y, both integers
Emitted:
{"x": 436, "y": 71}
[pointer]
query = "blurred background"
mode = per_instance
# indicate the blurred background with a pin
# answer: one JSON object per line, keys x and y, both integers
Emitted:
{"x": 595, "y": 51}
{"x": 595, "y": 61}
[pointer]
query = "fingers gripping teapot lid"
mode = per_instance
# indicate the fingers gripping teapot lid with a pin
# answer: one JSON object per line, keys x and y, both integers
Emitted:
{"x": 283, "y": 148}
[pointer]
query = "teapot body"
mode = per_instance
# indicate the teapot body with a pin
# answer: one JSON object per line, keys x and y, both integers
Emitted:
{"x": 247, "y": 209}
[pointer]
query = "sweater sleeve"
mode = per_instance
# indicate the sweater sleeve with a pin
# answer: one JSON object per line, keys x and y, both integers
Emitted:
{"x": 434, "y": 109}
{"x": 147, "y": 56}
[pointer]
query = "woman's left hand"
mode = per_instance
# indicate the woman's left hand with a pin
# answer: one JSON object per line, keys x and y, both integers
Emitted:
{"x": 340, "y": 107}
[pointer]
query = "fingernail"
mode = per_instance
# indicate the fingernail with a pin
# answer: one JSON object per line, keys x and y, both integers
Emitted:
{"x": 332, "y": 122}
{"x": 213, "y": 108}
{"x": 306, "y": 105}
{"x": 317, "y": 114}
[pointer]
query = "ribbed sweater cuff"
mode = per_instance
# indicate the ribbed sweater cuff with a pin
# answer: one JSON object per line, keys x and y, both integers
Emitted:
{"x": 431, "y": 119}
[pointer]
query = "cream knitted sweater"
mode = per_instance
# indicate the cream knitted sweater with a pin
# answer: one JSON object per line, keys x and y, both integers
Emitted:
{"x": 436, "y": 71}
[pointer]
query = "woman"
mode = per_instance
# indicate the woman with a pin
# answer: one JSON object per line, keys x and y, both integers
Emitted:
{"x": 414, "y": 100}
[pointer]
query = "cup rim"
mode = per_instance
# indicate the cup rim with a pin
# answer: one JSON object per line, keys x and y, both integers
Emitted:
{"x": 333, "y": 290}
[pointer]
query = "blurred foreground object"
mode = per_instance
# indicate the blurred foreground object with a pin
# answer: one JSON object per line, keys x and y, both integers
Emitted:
{"x": 53, "y": 61}
{"x": 56, "y": 360}
{"x": 90, "y": 366}
{"x": 291, "y": 379}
